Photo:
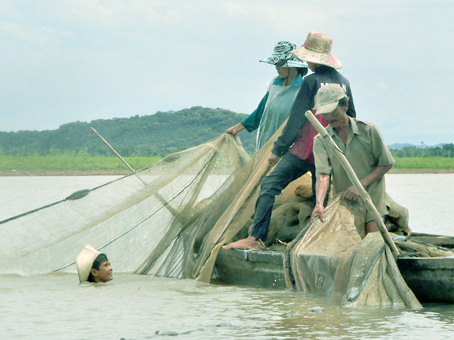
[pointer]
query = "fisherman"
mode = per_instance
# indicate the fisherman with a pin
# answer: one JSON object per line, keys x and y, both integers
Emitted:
{"x": 362, "y": 145}
{"x": 275, "y": 106}
{"x": 296, "y": 140}
{"x": 93, "y": 266}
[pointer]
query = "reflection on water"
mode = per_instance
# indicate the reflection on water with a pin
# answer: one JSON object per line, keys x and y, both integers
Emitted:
{"x": 143, "y": 307}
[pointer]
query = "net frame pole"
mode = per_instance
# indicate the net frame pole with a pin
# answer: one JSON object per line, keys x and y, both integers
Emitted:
{"x": 118, "y": 155}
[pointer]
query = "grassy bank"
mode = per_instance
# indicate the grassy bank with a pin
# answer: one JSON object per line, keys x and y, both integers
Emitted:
{"x": 424, "y": 163}
{"x": 65, "y": 164}
{"x": 77, "y": 163}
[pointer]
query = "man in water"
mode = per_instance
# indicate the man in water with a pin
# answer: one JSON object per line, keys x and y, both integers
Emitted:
{"x": 362, "y": 145}
{"x": 93, "y": 266}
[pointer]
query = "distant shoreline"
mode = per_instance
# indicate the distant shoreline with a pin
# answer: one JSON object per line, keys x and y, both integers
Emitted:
{"x": 123, "y": 172}
{"x": 94, "y": 172}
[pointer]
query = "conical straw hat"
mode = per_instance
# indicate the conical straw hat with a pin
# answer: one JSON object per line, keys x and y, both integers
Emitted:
{"x": 85, "y": 261}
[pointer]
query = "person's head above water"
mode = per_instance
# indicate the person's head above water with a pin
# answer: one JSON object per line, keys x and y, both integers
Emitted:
{"x": 93, "y": 266}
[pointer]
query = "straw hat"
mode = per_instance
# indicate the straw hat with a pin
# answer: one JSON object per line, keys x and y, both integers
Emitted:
{"x": 317, "y": 49}
{"x": 327, "y": 98}
{"x": 282, "y": 56}
{"x": 85, "y": 261}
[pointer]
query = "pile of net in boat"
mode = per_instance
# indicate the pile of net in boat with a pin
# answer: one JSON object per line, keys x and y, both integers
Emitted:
{"x": 336, "y": 258}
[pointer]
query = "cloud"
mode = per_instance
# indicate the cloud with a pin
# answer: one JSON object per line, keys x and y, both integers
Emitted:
{"x": 33, "y": 33}
{"x": 64, "y": 61}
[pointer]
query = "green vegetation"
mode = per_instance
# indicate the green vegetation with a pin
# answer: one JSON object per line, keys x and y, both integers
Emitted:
{"x": 72, "y": 162}
{"x": 412, "y": 157}
{"x": 424, "y": 163}
{"x": 153, "y": 135}
{"x": 412, "y": 151}
{"x": 78, "y": 162}
{"x": 143, "y": 140}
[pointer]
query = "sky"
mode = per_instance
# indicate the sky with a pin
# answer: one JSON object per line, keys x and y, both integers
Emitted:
{"x": 83, "y": 60}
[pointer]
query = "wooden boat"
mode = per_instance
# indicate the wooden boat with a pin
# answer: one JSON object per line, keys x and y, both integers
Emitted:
{"x": 430, "y": 278}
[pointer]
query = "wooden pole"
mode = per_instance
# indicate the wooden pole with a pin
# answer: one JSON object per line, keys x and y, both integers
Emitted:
{"x": 355, "y": 181}
{"x": 118, "y": 155}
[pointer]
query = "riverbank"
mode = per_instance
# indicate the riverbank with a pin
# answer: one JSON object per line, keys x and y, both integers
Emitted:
{"x": 70, "y": 165}
{"x": 92, "y": 172}
{"x": 124, "y": 172}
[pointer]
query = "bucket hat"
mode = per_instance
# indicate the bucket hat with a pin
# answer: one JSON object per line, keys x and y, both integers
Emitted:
{"x": 85, "y": 261}
{"x": 327, "y": 98}
{"x": 317, "y": 49}
{"x": 282, "y": 56}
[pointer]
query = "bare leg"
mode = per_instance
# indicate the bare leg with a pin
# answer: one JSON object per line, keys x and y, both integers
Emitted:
{"x": 371, "y": 227}
{"x": 246, "y": 243}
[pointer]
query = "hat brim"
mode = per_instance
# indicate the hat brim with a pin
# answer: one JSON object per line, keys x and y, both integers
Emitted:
{"x": 85, "y": 261}
{"x": 317, "y": 57}
{"x": 325, "y": 109}
{"x": 290, "y": 63}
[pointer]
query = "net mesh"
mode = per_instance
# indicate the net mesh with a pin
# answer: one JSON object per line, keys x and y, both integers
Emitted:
{"x": 140, "y": 221}
{"x": 172, "y": 218}
{"x": 335, "y": 257}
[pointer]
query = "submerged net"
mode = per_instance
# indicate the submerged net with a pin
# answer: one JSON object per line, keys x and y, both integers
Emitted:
{"x": 335, "y": 257}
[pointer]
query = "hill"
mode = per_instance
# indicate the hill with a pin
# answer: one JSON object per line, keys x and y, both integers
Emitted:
{"x": 156, "y": 135}
{"x": 159, "y": 134}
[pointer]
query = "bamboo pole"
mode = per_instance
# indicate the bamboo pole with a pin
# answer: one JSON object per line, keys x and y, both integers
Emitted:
{"x": 355, "y": 181}
{"x": 118, "y": 155}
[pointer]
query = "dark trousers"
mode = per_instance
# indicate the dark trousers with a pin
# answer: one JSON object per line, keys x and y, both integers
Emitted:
{"x": 287, "y": 170}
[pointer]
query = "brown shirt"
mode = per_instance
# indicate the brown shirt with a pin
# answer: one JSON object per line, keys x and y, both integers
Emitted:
{"x": 365, "y": 150}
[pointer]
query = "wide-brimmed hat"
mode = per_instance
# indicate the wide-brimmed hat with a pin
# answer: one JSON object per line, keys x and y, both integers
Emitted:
{"x": 282, "y": 56}
{"x": 85, "y": 261}
{"x": 327, "y": 98}
{"x": 317, "y": 49}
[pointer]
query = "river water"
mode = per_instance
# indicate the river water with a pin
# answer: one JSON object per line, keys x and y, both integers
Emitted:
{"x": 143, "y": 307}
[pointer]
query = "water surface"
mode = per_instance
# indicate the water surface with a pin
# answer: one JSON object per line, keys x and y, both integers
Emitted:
{"x": 143, "y": 307}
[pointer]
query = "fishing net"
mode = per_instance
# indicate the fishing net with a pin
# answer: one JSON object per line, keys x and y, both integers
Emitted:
{"x": 169, "y": 219}
{"x": 139, "y": 221}
{"x": 335, "y": 257}
{"x": 172, "y": 218}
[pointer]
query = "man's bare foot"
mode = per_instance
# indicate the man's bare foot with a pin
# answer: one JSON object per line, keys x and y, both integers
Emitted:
{"x": 246, "y": 243}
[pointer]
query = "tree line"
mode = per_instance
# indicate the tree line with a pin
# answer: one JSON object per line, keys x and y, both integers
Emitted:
{"x": 151, "y": 135}
{"x": 447, "y": 150}
{"x": 158, "y": 134}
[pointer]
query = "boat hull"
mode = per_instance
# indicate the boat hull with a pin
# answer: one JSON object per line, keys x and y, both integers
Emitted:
{"x": 430, "y": 278}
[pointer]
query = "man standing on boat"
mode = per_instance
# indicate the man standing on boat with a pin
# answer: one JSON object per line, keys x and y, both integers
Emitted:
{"x": 295, "y": 143}
{"x": 362, "y": 145}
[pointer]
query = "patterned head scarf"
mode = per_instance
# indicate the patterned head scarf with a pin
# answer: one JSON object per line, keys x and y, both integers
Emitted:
{"x": 282, "y": 56}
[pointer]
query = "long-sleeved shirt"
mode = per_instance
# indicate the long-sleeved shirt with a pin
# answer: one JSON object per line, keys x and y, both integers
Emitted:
{"x": 305, "y": 101}
{"x": 252, "y": 122}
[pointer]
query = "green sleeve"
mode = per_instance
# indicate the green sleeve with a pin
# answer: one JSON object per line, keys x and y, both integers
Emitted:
{"x": 252, "y": 122}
